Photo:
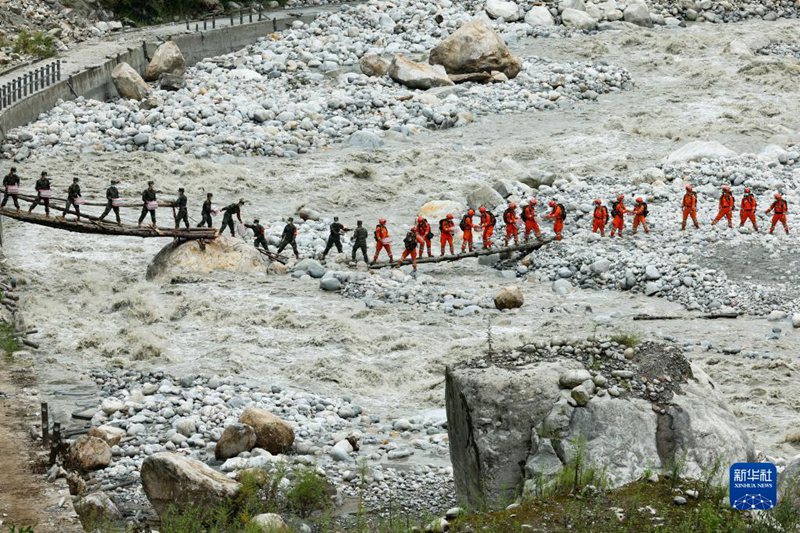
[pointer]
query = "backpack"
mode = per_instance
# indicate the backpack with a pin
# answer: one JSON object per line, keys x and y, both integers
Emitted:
{"x": 441, "y": 225}
{"x": 463, "y": 223}
{"x": 375, "y": 234}
{"x": 492, "y": 218}
{"x": 410, "y": 240}
{"x": 614, "y": 207}
{"x": 644, "y": 210}
{"x": 563, "y": 212}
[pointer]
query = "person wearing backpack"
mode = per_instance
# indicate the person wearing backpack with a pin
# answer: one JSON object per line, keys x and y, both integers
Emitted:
{"x": 618, "y": 211}
{"x": 748, "y": 209}
{"x": 780, "y": 208}
{"x": 424, "y": 235}
{"x": 466, "y": 226}
{"x": 488, "y": 221}
{"x": 726, "y": 204}
{"x": 600, "y": 218}
{"x": 640, "y": 215}
{"x": 447, "y": 229}
{"x": 410, "y": 244}
{"x": 558, "y": 215}
{"x": 382, "y": 241}
{"x": 510, "y": 218}
{"x": 689, "y": 205}
{"x": 529, "y": 216}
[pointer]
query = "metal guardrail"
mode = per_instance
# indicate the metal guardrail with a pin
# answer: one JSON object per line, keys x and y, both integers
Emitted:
{"x": 29, "y": 83}
{"x": 243, "y": 16}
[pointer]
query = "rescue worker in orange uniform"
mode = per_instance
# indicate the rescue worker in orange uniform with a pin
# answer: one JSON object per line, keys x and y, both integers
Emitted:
{"x": 488, "y": 220}
{"x": 382, "y": 241}
{"x": 748, "y": 209}
{"x": 410, "y": 247}
{"x": 466, "y": 226}
{"x": 529, "y": 216}
{"x": 618, "y": 213}
{"x": 779, "y": 208}
{"x": 689, "y": 205}
{"x": 447, "y": 228}
{"x": 510, "y": 218}
{"x": 557, "y": 215}
{"x": 424, "y": 235}
{"x": 726, "y": 204}
{"x": 600, "y": 218}
{"x": 640, "y": 215}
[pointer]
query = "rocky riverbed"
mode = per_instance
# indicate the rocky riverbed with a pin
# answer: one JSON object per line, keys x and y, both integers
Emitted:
{"x": 384, "y": 338}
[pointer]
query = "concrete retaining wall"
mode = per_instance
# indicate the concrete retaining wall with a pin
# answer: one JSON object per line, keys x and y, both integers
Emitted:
{"x": 95, "y": 82}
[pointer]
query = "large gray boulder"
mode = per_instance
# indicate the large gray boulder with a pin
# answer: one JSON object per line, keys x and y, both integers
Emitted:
{"x": 373, "y": 65}
{"x": 502, "y": 9}
{"x": 417, "y": 75}
{"x": 129, "y": 83}
{"x": 168, "y": 59}
{"x": 170, "y": 479}
{"x": 580, "y": 20}
{"x": 516, "y": 424}
{"x": 699, "y": 150}
{"x": 272, "y": 433}
{"x": 484, "y": 196}
{"x": 224, "y": 253}
{"x": 475, "y": 47}
{"x": 236, "y": 438}
{"x": 789, "y": 483}
{"x": 638, "y": 14}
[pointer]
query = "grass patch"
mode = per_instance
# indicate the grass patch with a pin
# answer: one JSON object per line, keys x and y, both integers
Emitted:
{"x": 152, "y": 11}
{"x": 308, "y": 494}
{"x": 8, "y": 340}
{"x": 37, "y": 44}
{"x": 631, "y": 340}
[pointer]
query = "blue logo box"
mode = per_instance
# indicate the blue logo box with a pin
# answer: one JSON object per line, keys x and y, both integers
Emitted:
{"x": 753, "y": 486}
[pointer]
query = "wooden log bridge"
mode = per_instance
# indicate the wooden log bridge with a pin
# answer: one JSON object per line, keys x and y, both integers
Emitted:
{"x": 523, "y": 249}
{"x": 90, "y": 224}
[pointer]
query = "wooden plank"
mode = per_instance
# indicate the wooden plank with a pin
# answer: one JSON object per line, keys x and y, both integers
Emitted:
{"x": 525, "y": 247}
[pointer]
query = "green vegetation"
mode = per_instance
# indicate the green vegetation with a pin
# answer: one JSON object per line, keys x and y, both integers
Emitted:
{"x": 308, "y": 494}
{"x": 631, "y": 340}
{"x": 20, "y": 529}
{"x": 144, "y": 12}
{"x": 37, "y": 44}
{"x": 8, "y": 340}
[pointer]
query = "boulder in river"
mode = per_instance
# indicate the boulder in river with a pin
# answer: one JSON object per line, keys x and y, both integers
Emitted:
{"x": 236, "y": 438}
{"x": 129, "y": 83}
{"x": 475, "y": 47}
{"x": 168, "y": 59}
{"x": 223, "y": 253}
{"x": 417, "y": 75}
{"x": 89, "y": 453}
{"x": 272, "y": 433}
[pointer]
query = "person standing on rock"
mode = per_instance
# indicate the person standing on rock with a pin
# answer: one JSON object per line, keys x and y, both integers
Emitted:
{"x": 227, "y": 217}
{"x": 618, "y": 212}
{"x": 748, "y": 209}
{"x": 42, "y": 194}
{"x": 410, "y": 245}
{"x": 73, "y": 199}
{"x": 112, "y": 201}
{"x": 528, "y": 215}
{"x": 258, "y": 234}
{"x": 424, "y": 235}
{"x": 337, "y": 229}
{"x": 726, "y": 205}
{"x": 11, "y": 188}
{"x": 779, "y": 208}
{"x": 488, "y": 221}
{"x": 466, "y": 226}
{"x": 205, "y": 213}
{"x": 149, "y": 203}
{"x": 382, "y": 241}
{"x": 640, "y": 215}
{"x": 510, "y": 218}
{"x": 360, "y": 241}
{"x": 600, "y": 218}
{"x": 289, "y": 236}
{"x": 183, "y": 212}
{"x": 558, "y": 215}
{"x": 447, "y": 228}
{"x": 689, "y": 205}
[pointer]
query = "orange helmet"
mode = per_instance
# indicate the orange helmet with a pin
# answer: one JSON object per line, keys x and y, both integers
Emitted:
{"x": 551, "y": 203}
{"x": 533, "y": 201}
{"x": 512, "y": 205}
{"x": 688, "y": 187}
{"x": 471, "y": 212}
{"x": 620, "y": 196}
{"x": 382, "y": 221}
{"x": 639, "y": 200}
{"x": 778, "y": 196}
{"x": 597, "y": 201}
{"x": 450, "y": 216}
{"x": 413, "y": 228}
{"x": 747, "y": 189}
{"x": 482, "y": 209}
{"x": 726, "y": 187}
{"x": 420, "y": 219}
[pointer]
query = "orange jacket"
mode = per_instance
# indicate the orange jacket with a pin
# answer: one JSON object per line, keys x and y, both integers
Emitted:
{"x": 448, "y": 227}
{"x": 510, "y": 216}
{"x": 601, "y": 213}
{"x": 638, "y": 210}
{"x": 381, "y": 232}
{"x": 555, "y": 214}
{"x": 619, "y": 209}
{"x": 529, "y": 213}
{"x": 486, "y": 220}
{"x": 748, "y": 203}
{"x": 779, "y": 206}
{"x": 423, "y": 229}
{"x": 690, "y": 200}
{"x": 726, "y": 201}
